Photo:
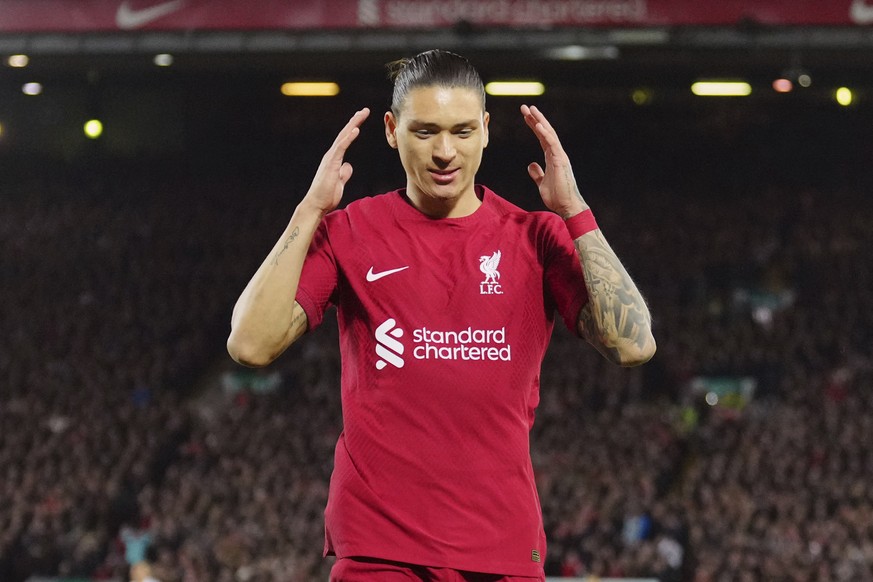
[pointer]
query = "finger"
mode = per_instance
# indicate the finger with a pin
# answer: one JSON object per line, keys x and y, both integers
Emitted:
{"x": 536, "y": 173}
{"x": 353, "y": 128}
{"x": 529, "y": 119}
{"x": 548, "y": 132}
{"x": 348, "y": 133}
{"x": 345, "y": 173}
{"x": 548, "y": 139}
{"x": 538, "y": 115}
{"x": 531, "y": 122}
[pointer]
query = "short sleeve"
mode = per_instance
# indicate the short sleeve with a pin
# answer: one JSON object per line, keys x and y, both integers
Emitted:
{"x": 563, "y": 276}
{"x": 318, "y": 280}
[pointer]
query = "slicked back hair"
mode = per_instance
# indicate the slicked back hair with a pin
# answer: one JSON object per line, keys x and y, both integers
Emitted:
{"x": 433, "y": 68}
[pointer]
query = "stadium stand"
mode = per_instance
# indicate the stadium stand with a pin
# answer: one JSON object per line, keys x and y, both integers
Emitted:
{"x": 126, "y": 433}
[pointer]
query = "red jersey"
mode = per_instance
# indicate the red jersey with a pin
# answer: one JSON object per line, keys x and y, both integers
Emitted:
{"x": 443, "y": 327}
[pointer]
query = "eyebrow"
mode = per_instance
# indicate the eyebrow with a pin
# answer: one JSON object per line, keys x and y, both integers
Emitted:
{"x": 431, "y": 124}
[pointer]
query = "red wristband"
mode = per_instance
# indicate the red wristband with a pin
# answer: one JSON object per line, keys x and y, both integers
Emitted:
{"x": 580, "y": 224}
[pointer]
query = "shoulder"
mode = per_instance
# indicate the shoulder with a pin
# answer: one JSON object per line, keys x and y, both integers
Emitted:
{"x": 375, "y": 203}
{"x": 371, "y": 208}
{"x": 498, "y": 204}
{"x": 533, "y": 220}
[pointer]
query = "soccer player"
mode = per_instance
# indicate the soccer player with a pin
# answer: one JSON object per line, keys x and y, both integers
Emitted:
{"x": 446, "y": 296}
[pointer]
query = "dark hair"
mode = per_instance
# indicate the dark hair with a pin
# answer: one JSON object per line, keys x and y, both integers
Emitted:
{"x": 437, "y": 67}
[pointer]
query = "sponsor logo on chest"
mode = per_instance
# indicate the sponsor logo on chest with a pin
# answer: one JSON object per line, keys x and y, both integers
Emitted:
{"x": 469, "y": 344}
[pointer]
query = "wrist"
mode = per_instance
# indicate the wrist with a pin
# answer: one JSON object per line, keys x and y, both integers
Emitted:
{"x": 580, "y": 223}
{"x": 311, "y": 210}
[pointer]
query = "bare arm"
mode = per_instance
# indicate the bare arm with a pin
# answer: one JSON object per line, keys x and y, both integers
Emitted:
{"x": 616, "y": 320}
{"x": 267, "y": 318}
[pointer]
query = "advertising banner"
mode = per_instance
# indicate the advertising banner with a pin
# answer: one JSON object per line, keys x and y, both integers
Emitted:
{"x": 122, "y": 15}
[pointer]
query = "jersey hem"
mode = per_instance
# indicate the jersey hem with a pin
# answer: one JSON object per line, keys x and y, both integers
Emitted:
{"x": 533, "y": 571}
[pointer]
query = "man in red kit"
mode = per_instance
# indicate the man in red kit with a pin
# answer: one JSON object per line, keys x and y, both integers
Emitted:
{"x": 446, "y": 296}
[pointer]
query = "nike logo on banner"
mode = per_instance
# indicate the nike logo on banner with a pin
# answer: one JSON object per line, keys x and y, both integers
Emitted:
{"x": 861, "y": 12}
{"x": 371, "y": 276}
{"x": 128, "y": 19}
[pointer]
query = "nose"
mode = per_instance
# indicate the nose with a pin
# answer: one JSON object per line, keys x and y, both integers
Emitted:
{"x": 444, "y": 148}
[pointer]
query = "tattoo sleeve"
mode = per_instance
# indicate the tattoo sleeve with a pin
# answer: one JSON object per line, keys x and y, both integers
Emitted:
{"x": 616, "y": 321}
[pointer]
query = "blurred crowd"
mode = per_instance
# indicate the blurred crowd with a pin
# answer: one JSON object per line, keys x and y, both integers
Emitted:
{"x": 118, "y": 445}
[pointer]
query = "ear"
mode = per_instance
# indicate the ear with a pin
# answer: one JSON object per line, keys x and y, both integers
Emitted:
{"x": 391, "y": 129}
{"x": 485, "y": 119}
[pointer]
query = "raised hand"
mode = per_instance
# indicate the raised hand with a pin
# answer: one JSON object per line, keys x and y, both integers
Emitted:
{"x": 556, "y": 183}
{"x": 333, "y": 172}
{"x": 616, "y": 319}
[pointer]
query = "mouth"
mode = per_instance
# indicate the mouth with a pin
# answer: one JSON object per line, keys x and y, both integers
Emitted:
{"x": 444, "y": 176}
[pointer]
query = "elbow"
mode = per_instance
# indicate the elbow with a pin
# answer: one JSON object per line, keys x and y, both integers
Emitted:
{"x": 246, "y": 352}
{"x": 638, "y": 353}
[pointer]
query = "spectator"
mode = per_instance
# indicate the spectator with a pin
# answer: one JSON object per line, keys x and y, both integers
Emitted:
{"x": 111, "y": 294}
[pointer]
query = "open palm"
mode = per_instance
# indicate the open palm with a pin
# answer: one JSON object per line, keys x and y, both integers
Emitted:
{"x": 556, "y": 182}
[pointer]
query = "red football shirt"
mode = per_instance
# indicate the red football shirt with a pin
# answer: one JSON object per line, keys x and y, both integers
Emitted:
{"x": 443, "y": 327}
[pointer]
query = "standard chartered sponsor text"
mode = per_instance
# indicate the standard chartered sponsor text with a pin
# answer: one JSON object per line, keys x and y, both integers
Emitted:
{"x": 400, "y": 12}
{"x": 466, "y": 344}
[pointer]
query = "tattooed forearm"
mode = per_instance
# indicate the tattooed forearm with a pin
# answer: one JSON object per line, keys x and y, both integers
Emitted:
{"x": 588, "y": 330}
{"x": 294, "y": 234}
{"x": 298, "y": 324}
{"x": 571, "y": 186}
{"x": 616, "y": 321}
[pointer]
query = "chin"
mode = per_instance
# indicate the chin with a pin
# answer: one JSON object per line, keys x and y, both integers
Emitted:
{"x": 448, "y": 191}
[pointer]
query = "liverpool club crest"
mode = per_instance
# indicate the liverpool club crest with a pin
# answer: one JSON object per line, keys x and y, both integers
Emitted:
{"x": 488, "y": 266}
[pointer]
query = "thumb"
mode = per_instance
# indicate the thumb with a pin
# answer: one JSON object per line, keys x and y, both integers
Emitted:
{"x": 536, "y": 173}
{"x": 345, "y": 173}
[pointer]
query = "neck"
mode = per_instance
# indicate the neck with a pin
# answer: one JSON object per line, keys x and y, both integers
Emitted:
{"x": 463, "y": 205}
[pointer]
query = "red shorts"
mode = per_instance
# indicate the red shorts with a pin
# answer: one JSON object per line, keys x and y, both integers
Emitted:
{"x": 370, "y": 569}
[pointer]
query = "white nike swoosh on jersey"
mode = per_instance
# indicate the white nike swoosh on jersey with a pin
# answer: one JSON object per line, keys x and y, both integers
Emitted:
{"x": 861, "y": 12}
{"x": 371, "y": 276}
{"x": 128, "y": 19}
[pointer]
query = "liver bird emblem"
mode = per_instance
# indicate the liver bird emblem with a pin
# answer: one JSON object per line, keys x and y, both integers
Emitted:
{"x": 488, "y": 265}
